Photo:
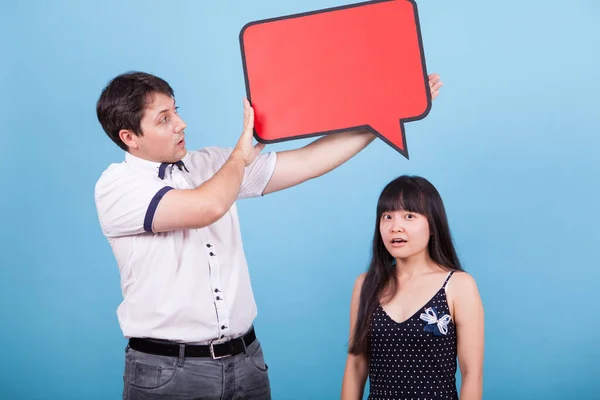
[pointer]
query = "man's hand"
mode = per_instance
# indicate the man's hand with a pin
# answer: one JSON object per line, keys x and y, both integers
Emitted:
{"x": 434, "y": 85}
{"x": 244, "y": 146}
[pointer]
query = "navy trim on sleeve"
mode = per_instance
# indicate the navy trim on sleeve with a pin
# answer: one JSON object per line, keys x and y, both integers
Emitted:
{"x": 152, "y": 207}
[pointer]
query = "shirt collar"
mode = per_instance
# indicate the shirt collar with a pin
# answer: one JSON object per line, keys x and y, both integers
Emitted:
{"x": 152, "y": 166}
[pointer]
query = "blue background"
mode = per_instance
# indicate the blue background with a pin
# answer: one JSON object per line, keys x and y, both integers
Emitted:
{"x": 511, "y": 144}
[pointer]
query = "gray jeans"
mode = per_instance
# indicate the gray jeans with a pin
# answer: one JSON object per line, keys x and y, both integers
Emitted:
{"x": 243, "y": 376}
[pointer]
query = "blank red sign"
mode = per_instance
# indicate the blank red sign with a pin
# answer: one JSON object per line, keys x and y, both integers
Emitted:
{"x": 330, "y": 70}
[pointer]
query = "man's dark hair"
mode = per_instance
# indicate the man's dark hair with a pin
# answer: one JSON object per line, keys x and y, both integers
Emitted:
{"x": 122, "y": 102}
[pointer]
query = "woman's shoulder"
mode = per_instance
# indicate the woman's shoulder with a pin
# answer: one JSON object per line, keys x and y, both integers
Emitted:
{"x": 358, "y": 283}
{"x": 462, "y": 285}
{"x": 462, "y": 279}
{"x": 360, "y": 279}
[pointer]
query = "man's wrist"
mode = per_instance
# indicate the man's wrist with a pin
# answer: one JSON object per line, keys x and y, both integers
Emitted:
{"x": 237, "y": 155}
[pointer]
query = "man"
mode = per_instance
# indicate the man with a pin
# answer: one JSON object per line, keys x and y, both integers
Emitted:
{"x": 171, "y": 220}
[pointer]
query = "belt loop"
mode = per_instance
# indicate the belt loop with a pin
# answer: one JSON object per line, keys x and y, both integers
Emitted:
{"x": 243, "y": 338}
{"x": 181, "y": 355}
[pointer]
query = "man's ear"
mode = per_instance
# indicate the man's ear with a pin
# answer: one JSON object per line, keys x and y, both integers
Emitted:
{"x": 129, "y": 138}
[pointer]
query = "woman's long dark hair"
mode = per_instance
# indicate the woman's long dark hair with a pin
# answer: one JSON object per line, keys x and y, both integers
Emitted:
{"x": 409, "y": 193}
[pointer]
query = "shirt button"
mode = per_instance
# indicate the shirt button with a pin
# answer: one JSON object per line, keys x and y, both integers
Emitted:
{"x": 208, "y": 245}
{"x": 216, "y": 290}
{"x": 223, "y": 327}
{"x": 218, "y": 298}
{"x": 212, "y": 254}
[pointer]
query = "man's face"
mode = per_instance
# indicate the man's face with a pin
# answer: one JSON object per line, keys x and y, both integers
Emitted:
{"x": 162, "y": 138}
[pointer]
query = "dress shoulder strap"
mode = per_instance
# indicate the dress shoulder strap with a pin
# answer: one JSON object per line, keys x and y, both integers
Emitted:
{"x": 447, "y": 279}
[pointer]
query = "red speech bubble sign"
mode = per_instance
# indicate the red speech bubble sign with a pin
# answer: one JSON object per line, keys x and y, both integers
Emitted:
{"x": 326, "y": 71}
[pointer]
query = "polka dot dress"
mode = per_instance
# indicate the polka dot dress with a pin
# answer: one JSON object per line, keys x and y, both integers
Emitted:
{"x": 414, "y": 359}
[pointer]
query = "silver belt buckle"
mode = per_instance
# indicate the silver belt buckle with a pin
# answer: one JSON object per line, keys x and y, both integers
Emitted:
{"x": 212, "y": 353}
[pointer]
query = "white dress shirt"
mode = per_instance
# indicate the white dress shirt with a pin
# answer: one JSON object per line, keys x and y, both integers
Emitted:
{"x": 188, "y": 285}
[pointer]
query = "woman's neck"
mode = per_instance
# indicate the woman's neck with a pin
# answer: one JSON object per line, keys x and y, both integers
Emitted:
{"x": 418, "y": 264}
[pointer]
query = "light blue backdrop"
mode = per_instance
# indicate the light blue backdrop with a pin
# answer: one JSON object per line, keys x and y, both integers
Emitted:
{"x": 511, "y": 143}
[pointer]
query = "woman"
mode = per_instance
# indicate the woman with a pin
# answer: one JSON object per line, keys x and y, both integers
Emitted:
{"x": 415, "y": 310}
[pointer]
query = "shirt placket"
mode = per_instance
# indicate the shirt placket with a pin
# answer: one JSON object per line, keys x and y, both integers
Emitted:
{"x": 214, "y": 269}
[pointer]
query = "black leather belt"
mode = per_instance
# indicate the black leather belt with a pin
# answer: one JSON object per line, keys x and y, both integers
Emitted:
{"x": 214, "y": 351}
